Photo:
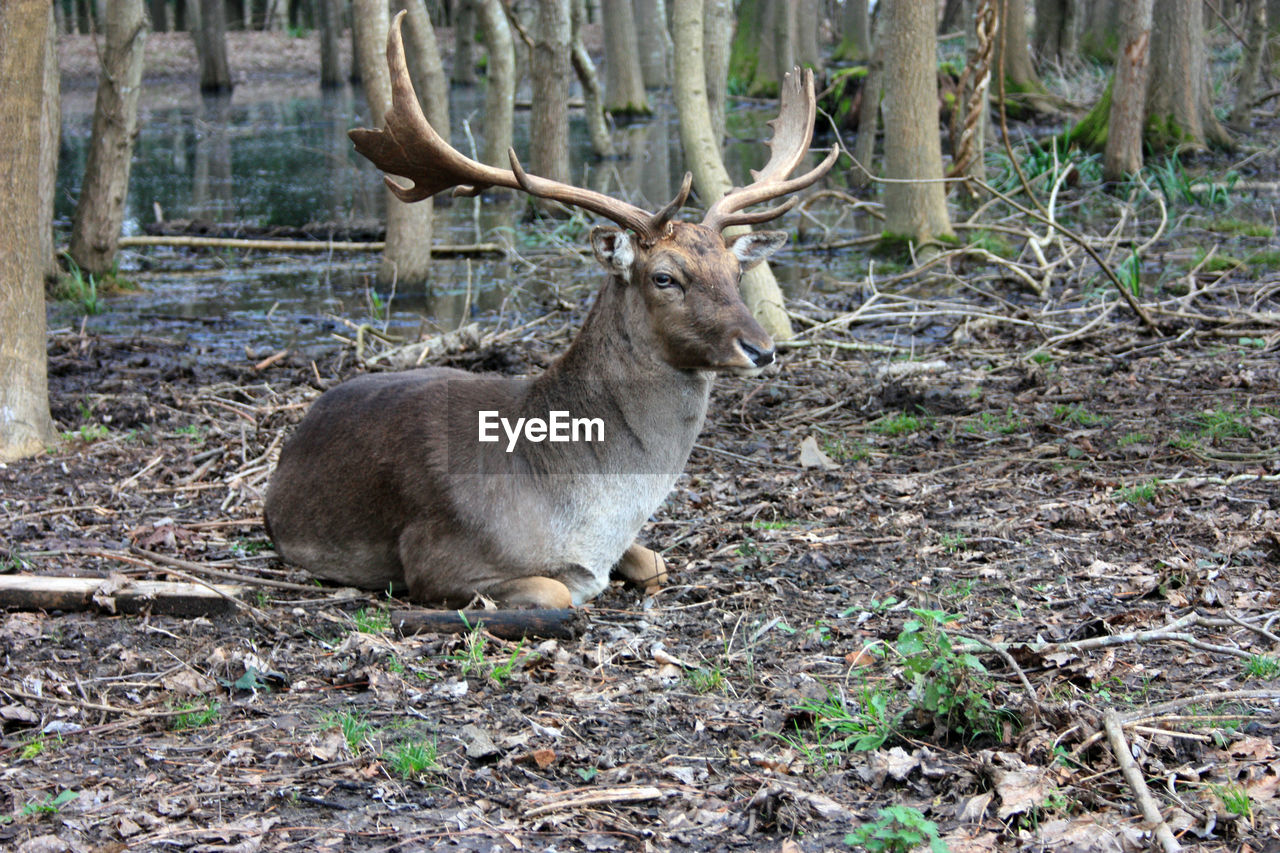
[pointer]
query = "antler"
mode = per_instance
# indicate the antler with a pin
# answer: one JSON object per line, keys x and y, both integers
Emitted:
{"x": 409, "y": 146}
{"x": 792, "y": 133}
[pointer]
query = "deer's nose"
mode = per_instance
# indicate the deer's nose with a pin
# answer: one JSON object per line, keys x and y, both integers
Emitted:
{"x": 759, "y": 357}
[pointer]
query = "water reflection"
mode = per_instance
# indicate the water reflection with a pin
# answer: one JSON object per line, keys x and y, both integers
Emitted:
{"x": 285, "y": 160}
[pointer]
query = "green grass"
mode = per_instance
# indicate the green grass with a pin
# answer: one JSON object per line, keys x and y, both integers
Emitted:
{"x": 355, "y": 727}
{"x": 1137, "y": 494}
{"x": 1077, "y": 415}
{"x": 845, "y": 449}
{"x": 1222, "y": 423}
{"x": 371, "y": 620}
{"x": 88, "y": 433}
{"x": 474, "y": 657}
{"x": 706, "y": 679}
{"x": 1239, "y": 227}
{"x": 953, "y": 543}
{"x": 1262, "y": 666}
{"x": 1007, "y": 423}
{"x": 862, "y": 726}
{"x": 37, "y": 746}
{"x": 51, "y": 804}
{"x": 898, "y": 424}
{"x": 414, "y": 759}
{"x": 1235, "y": 799}
{"x": 1133, "y": 438}
{"x": 773, "y": 525}
{"x": 1267, "y": 259}
{"x": 193, "y": 716}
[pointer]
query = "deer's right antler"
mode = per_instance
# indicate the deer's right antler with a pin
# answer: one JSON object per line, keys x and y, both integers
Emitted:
{"x": 409, "y": 146}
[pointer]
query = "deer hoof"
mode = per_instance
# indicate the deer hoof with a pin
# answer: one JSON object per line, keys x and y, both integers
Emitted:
{"x": 642, "y": 567}
{"x": 533, "y": 592}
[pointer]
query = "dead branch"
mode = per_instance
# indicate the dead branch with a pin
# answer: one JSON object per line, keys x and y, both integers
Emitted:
{"x": 580, "y": 799}
{"x": 181, "y": 241}
{"x": 115, "y": 595}
{"x": 1150, "y": 811}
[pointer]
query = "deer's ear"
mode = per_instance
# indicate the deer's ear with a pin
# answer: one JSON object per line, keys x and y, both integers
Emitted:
{"x": 753, "y": 247}
{"x": 614, "y": 250}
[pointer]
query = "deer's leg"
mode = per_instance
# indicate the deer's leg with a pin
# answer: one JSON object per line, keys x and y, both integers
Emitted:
{"x": 538, "y": 592}
{"x": 643, "y": 567}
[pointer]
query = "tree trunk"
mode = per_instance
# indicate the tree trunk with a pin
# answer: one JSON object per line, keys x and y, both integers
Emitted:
{"x": 1012, "y": 52}
{"x": 1250, "y": 63}
{"x": 969, "y": 119}
{"x": 159, "y": 12}
{"x": 953, "y": 15}
{"x": 855, "y": 32}
{"x": 500, "y": 79}
{"x": 760, "y": 290}
{"x": 25, "y": 425}
{"x": 95, "y": 232}
{"x": 464, "y": 40}
{"x": 211, "y": 46}
{"x": 1122, "y": 154}
{"x": 50, "y": 135}
{"x": 601, "y": 144}
{"x": 1179, "y": 113}
{"x": 425, "y": 68}
{"x": 808, "y": 51}
{"x": 654, "y": 42}
{"x": 864, "y": 146}
{"x": 776, "y": 51}
{"x": 624, "y": 83}
{"x": 1055, "y": 35}
{"x": 717, "y": 33}
{"x": 329, "y": 14}
{"x": 1099, "y": 29}
{"x": 549, "y": 119}
{"x": 406, "y": 258}
{"x": 915, "y": 198}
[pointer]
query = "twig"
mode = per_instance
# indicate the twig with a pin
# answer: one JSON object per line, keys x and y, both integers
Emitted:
{"x": 1150, "y": 811}
{"x": 182, "y": 241}
{"x": 579, "y": 798}
{"x": 200, "y": 568}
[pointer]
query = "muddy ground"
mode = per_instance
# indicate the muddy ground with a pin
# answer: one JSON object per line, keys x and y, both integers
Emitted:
{"x": 787, "y": 684}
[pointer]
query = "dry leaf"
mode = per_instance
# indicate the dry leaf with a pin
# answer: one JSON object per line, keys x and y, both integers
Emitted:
{"x": 813, "y": 457}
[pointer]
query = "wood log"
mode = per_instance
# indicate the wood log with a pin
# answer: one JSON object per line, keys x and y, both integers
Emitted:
{"x": 115, "y": 595}
{"x": 565, "y": 624}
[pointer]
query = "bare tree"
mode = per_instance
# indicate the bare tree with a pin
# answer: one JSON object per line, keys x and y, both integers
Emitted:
{"x": 406, "y": 258}
{"x": 593, "y": 102}
{"x": 464, "y": 40}
{"x": 1250, "y": 62}
{"x": 855, "y": 32}
{"x": 702, "y": 155}
{"x": 654, "y": 42}
{"x": 807, "y": 36}
{"x": 425, "y": 68}
{"x": 1122, "y": 154}
{"x": 25, "y": 425}
{"x": 95, "y": 233}
{"x": 1055, "y": 34}
{"x": 864, "y": 147}
{"x": 1013, "y": 54}
{"x": 211, "y": 46}
{"x": 915, "y": 198}
{"x": 329, "y": 16}
{"x": 763, "y": 49}
{"x": 1179, "y": 112}
{"x": 500, "y": 81}
{"x": 717, "y": 33}
{"x": 549, "y": 119}
{"x": 50, "y": 134}
{"x": 624, "y": 82}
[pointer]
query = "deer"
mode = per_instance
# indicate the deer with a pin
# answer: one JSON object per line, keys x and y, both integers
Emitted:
{"x": 390, "y": 479}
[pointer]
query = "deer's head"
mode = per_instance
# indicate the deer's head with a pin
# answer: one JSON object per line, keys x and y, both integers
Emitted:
{"x": 681, "y": 277}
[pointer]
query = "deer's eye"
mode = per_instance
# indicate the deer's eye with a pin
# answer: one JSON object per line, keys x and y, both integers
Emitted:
{"x": 661, "y": 279}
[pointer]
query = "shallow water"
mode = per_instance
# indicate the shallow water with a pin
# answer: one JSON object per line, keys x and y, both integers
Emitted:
{"x": 285, "y": 159}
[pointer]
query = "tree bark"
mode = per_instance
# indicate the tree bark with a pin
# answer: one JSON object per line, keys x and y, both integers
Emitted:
{"x": 329, "y": 13}
{"x": 864, "y": 146}
{"x": 1012, "y": 52}
{"x": 1099, "y": 28}
{"x": 1178, "y": 111}
{"x": 855, "y": 32}
{"x": 500, "y": 80}
{"x": 970, "y": 117}
{"x": 624, "y": 82}
{"x": 100, "y": 210}
{"x": 654, "y": 41}
{"x": 422, "y": 55}
{"x": 1122, "y": 155}
{"x": 760, "y": 290}
{"x": 211, "y": 46}
{"x": 25, "y": 424}
{"x": 50, "y": 135}
{"x": 464, "y": 39}
{"x": 549, "y": 118}
{"x": 808, "y": 52}
{"x": 406, "y": 259}
{"x": 915, "y": 198}
{"x": 717, "y": 33}
{"x": 1055, "y": 35}
{"x": 159, "y": 12}
{"x": 1250, "y": 62}
{"x": 593, "y": 106}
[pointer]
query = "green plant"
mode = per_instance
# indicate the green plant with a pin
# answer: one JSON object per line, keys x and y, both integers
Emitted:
{"x": 845, "y": 449}
{"x": 1129, "y": 271}
{"x": 1078, "y": 415}
{"x": 1262, "y": 666}
{"x": 1133, "y": 438}
{"x": 1138, "y": 493}
{"x": 500, "y": 672}
{"x": 867, "y": 726}
{"x": 948, "y": 684}
{"x": 51, "y": 804}
{"x": 706, "y": 679}
{"x": 1179, "y": 188}
{"x": 88, "y": 433}
{"x": 36, "y": 746}
{"x": 192, "y": 715}
{"x": 953, "y": 543}
{"x": 414, "y": 759}
{"x": 1231, "y": 225}
{"x": 900, "y": 423}
{"x": 355, "y": 727}
{"x": 1235, "y": 798}
{"x": 900, "y": 829}
{"x": 474, "y": 657}
{"x": 79, "y": 287}
{"x": 371, "y": 620}
{"x": 1222, "y": 423}
{"x": 773, "y": 525}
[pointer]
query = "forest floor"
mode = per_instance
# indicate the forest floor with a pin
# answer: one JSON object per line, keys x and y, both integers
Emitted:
{"x": 920, "y": 575}
{"x": 911, "y": 582}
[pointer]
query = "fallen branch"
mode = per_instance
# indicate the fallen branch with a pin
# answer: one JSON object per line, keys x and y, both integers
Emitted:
{"x": 577, "y": 798}
{"x": 115, "y": 595}
{"x": 1150, "y": 811}
{"x": 186, "y": 242}
{"x": 565, "y": 624}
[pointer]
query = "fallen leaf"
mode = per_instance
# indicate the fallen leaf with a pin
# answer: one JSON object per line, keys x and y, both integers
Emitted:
{"x": 813, "y": 457}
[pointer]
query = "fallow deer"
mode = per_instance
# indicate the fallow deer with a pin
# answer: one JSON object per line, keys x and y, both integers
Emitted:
{"x": 386, "y": 480}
